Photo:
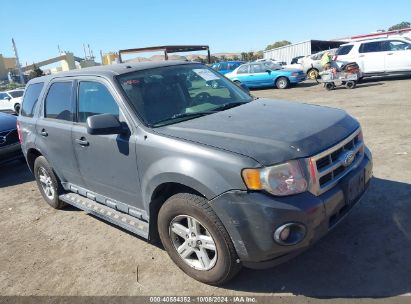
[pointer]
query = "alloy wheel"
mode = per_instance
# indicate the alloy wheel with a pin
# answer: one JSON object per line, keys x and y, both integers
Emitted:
{"x": 192, "y": 241}
{"x": 46, "y": 183}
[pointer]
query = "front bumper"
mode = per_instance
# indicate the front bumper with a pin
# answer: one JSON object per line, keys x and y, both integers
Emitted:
{"x": 251, "y": 218}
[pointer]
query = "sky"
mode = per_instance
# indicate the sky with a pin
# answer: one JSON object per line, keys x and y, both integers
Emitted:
{"x": 38, "y": 27}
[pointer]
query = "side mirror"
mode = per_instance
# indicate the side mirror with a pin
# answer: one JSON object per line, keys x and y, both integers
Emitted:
{"x": 245, "y": 88}
{"x": 7, "y": 98}
{"x": 104, "y": 124}
{"x": 268, "y": 71}
{"x": 408, "y": 47}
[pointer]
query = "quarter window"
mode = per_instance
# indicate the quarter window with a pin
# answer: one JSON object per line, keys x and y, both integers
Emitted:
{"x": 93, "y": 99}
{"x": 58, "y": 103}
{"x": 30, "y": 99}
{"x": 344, "y": 50}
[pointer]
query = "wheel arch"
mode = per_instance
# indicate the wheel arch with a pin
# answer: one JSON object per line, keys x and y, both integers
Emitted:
{"x": 32, "y": 154}
{"x": 159, "y": 196}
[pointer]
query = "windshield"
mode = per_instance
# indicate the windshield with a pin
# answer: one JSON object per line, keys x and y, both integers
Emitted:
{"x": 16, "y": 94}
{"x": 172, "y": 94}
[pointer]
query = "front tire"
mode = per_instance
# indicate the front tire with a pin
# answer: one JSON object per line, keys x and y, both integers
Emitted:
{"x": 48, "y": 183}
{"x": 196, "y": 240}
{"x": 17, "y": 108}
{"x": 282, "y": 83}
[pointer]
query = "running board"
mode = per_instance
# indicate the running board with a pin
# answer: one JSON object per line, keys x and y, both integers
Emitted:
{"x": 108, "y": 214}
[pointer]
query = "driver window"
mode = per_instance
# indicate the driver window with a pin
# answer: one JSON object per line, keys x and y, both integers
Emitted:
{"x": 257, "y": 68}
{"x": 94, "y": 98}
{"x": 396, "y": 45}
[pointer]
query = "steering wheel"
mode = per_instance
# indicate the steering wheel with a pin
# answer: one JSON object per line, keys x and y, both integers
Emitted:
{"x": 201, "y": 98}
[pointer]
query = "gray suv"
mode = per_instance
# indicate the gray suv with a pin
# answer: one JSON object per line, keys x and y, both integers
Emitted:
{"x": 224, "y": 181}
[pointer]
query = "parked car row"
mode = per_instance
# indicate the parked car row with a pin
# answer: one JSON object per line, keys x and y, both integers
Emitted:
{"x": 10, "y": 101}
{"x": 9, "y": 140}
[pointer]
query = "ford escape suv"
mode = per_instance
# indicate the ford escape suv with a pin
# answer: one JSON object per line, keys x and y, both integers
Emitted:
{"x": 224, "y": 181}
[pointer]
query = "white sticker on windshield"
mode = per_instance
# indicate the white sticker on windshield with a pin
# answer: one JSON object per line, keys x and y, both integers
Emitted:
{"x": 206, "y": 74}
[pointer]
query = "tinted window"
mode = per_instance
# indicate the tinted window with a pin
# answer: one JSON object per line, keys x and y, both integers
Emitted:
{"x": 344, "y": 50}
{"x": 243, "y": 69}
{"x": 58, "y": 103}
{"x": 30, "y": 99}
{"x": 93, "y": 99}
{"x": 370, "y": 47}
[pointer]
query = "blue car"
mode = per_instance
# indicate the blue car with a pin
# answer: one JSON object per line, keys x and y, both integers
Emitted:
{"x": 263, "y": 74}
{"x": 225, "y": 67}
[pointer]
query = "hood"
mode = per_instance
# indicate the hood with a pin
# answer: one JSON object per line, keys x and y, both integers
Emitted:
{"x": 7, "y": 122}
{"x": 269, "y": 131}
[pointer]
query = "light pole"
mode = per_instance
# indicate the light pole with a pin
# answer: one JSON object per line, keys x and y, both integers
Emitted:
{"x": 18, "y": 62}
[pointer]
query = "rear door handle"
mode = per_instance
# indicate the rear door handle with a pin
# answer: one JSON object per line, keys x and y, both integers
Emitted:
{"x": 44, "y": 133}
{"x": 361, "y": 56}
{"x": 82, "y": 142}
{"x": 390, "y": 53}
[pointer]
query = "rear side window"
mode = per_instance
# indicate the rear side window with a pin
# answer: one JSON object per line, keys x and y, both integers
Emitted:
{"x": 371, "y": 47}
{"x": 243, "y": 69}
{"x": 344, "y": 50}
{"x": 30, "y": 99}
{"x": 94, "y": 98}
{"x": 58, "y": 103}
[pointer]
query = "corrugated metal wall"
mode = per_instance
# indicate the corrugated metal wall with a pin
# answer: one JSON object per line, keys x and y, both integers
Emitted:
{"x": 288, "y": 52}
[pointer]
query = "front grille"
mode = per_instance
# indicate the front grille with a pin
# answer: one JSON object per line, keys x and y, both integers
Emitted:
{"x": 8, "y": 137}
{"x": 330, "y": 166}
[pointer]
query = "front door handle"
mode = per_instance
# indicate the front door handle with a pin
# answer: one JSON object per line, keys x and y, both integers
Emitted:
{"x": 390, "y": 53}
{"x": 44, "y": 133}
{"x": 82, "y": 142}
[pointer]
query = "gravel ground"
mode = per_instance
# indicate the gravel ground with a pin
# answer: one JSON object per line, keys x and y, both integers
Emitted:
{"x": 49, "y": 252}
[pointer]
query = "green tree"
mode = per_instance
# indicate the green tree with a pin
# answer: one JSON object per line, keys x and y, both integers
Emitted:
{"x": 400, "y": 26}
{"x": 36, "y": 72}
{"x": 235, "y": 57}
{"x": 277, "y": 44}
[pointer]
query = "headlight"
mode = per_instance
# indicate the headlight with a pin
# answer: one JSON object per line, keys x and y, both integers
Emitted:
{"x": 283, "y": 179}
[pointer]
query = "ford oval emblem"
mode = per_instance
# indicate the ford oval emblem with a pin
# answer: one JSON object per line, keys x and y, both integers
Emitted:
{"x": 348, "y": 158}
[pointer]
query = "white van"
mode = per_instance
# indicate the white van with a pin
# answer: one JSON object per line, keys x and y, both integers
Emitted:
{"x": 378, "y": 56}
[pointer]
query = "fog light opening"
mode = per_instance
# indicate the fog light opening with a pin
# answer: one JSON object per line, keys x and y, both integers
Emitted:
{"x": 289, "y": 234}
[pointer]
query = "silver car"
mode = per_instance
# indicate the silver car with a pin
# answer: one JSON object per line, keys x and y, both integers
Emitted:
{"x": 311, "y": 64}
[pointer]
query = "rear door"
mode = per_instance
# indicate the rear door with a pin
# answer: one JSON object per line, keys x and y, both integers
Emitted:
{"x": 260, "y": 75}
{"x": 244, "y": 76}
{"x": 54, "y": 130}
{"x": 398, "y": 57}
{"x": 372, "y": 56}
{"x": 108, "y": 163}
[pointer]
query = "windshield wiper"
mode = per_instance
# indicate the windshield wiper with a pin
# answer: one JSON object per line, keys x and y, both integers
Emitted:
{"x": 182, "y": 115}
{"x": 229, "y": 105}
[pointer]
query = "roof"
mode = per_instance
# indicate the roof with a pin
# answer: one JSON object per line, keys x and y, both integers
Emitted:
{"x": 108, "y": 71}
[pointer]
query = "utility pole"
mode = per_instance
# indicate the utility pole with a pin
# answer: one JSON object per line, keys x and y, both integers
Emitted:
{"x": 18, "y": 62}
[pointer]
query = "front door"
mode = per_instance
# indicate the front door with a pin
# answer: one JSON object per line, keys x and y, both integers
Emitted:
{"x": 398, "y": 57}
{"x": 107, "y": 163}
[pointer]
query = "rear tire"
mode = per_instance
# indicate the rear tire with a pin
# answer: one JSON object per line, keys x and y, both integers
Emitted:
{"x": 329, "y": 86}
{"x": 350, "y": 84}
{"x": 48, "y": 183}
{"x": 282, "y": 83}
{"x": 187, "y": 224}
{"x": 312, "y": 74}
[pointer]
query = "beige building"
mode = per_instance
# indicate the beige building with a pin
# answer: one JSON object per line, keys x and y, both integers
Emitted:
{"x": 6, "y": 64}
